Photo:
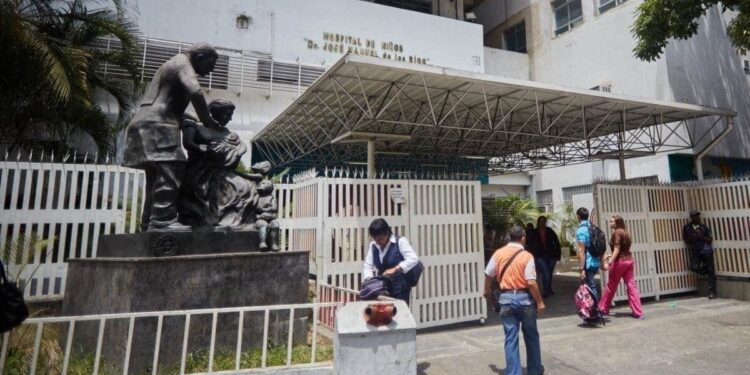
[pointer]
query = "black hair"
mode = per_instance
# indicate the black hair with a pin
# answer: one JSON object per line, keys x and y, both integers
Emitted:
{"x": 583, "y": 213}
{"x": 379, "y": 227}
{"x": 516, "y": 233}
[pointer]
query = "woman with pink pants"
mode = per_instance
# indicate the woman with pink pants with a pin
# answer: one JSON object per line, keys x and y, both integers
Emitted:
{"x": 620, "y": 266}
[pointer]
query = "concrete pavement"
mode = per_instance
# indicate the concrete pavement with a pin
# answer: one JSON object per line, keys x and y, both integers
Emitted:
{"x": 688, "y": 335}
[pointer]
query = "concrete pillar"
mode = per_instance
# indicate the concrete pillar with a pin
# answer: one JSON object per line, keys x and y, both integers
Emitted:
{"x": 622, "y": 166}
{"x": 362, "y": 349}
{"x": 370, "y": 158}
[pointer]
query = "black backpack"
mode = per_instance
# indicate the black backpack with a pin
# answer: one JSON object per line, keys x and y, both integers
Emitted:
{"x": 13, "y": 310}
{"x": 598, "y": 242}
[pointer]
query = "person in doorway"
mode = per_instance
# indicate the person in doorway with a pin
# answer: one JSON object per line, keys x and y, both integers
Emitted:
{"x": 389, "y": 255}
{"x": 519, "y": 300}
{"x": 588, "y": 264}
{"x": 489, "y": 241}
{"x": 546, "y": 250}
{"x": 698, "y": 238}
{"x": 620, "y": 266}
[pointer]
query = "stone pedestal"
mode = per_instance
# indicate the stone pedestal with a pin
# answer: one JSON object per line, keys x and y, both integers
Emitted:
{"x": 211, "y": 277}
{"x": 363, "y": 349}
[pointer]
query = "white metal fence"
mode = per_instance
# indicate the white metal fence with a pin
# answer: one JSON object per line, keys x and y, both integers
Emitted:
{"x": 441, "y": 219}
{"x": 70, "y": 205}
{"x": 655, "y": 216}
{"x": 44, "y": 345}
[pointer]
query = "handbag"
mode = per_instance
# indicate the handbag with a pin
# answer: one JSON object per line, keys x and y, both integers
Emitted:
{"x": 373, "y": 288}
{"x": 13, "y": 310}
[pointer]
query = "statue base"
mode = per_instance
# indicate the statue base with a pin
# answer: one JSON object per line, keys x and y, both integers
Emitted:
{"x": 210, "y": 277}
{"x": 159, "y": 244}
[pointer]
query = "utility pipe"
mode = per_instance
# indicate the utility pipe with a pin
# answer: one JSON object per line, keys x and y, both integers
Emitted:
{"x": 699, "y": 156}
{"x": 371, "y": 158}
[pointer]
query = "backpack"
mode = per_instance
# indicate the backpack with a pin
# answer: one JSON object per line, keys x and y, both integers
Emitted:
{"x": 13, "y": 310}
{"x": 598, "y": 241}
{"x": 586, "y": 304}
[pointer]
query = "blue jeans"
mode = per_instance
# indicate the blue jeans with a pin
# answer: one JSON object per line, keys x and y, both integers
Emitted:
{"x": 590, "y": 274}
{"x": 519, "y": 309}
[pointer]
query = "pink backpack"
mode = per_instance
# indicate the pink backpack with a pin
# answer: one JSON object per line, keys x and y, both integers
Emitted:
{"x": 586, "y": 304}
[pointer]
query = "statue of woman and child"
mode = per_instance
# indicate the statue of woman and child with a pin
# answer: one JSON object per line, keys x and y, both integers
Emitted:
{"x": 214, "y": 193}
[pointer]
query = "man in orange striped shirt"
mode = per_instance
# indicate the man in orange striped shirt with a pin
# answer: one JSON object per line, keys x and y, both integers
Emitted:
{"x": 519, "y": 300}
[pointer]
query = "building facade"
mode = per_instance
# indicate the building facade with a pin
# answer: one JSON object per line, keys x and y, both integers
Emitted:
{"x": 575, "y": 43}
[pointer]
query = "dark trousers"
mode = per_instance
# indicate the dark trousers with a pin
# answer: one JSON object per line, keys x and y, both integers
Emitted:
{"x": 399, "y": 288}
{"x": 708, "y": 270}
{"x": 163, "y": 180}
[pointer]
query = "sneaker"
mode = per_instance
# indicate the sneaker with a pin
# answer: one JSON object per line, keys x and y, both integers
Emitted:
{"x": 639, "y": 317}
{"x": 711, "y": 295}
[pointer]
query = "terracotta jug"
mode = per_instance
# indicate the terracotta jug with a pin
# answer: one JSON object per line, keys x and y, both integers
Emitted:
{"x": 380, "y": 314}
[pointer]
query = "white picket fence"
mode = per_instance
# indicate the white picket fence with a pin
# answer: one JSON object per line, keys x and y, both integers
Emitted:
{"x": 655, "y": 216}
{"x": 70, "y": 205}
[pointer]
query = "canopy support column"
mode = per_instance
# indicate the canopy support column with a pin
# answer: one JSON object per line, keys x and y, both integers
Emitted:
{"x": 370, "y": 158}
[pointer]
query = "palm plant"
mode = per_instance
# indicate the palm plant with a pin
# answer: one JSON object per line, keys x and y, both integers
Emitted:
{"x": 505, "y": 212}
{"x": 53, "y": 70}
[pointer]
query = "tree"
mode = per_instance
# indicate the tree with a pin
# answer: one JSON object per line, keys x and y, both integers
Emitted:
{"x": 657, "y": 21}
{"x": 53, "y": 70}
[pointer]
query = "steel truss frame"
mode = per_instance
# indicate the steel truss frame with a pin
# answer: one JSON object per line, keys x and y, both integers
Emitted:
{"x": 457, "y": 118}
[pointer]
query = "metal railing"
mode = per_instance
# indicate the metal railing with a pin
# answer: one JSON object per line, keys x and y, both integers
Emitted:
{"x": 235, "y": 69}
{"x": 36, "y": 326}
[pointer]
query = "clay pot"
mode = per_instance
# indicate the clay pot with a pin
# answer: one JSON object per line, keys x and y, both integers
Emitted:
{"x": 380, "y": 314}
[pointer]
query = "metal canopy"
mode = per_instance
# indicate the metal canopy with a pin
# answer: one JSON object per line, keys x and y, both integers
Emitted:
{"x": 424, "y": 116}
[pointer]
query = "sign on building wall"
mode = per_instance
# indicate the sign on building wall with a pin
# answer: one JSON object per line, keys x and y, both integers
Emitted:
{"x": 342, "y": 44}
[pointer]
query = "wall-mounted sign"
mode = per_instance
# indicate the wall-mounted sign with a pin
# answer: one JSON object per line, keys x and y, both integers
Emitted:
{"x": 398, "y": 195}
{"x": 341, "y": 44}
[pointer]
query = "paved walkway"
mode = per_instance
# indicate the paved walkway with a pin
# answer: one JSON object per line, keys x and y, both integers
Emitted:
{"x": 688, "y": 335}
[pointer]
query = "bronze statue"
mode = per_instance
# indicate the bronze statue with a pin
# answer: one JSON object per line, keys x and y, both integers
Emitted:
{"x": 153, "y": 138}
{"x": 214, "y": 193}
{"x": 268, "y": 227}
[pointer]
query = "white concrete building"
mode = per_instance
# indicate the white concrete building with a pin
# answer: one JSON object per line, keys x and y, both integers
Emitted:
{"x": 575, "y": 43}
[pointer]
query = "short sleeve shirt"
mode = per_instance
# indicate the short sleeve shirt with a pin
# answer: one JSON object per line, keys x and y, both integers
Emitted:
{"x": 621, "y": 238}
{"x": 584, "y": 237}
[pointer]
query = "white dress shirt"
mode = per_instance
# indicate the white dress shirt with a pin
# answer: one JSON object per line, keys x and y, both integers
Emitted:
{"x": 410, "y": 257}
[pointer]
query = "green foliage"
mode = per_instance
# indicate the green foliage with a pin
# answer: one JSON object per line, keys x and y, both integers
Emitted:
{"x": 505, "y": 212}
{"x": 568, "y": 224}
{"x": 17, "y": 256}
{"x": 54, "y": 70}
{"x": 197, "y": 362}
{"x": 657, "y": 21}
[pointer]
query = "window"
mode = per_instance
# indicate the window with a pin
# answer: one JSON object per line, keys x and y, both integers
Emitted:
{"x": 567, "y": 14}
{"x": 515, "y": 38}
{"x": 544, "y": 201}
{"x": 422, "y": 6}
{"x": 605, "y": 5}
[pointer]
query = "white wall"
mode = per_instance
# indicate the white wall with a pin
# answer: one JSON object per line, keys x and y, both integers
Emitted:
{"x": 504, "y": 63}
{"x": 443, "y": 42}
